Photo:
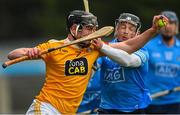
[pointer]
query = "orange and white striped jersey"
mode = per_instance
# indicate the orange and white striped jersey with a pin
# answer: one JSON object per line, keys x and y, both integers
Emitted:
{"x": 68, "y": 71}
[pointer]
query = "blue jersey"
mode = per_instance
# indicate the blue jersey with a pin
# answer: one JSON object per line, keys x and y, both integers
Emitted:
{"x": 123, "y": 88}
{"x": 91, "y": 98}
{"x": 164, "y": 69}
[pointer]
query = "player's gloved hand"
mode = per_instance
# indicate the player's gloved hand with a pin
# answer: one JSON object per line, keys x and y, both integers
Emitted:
{"x": 98, "y": 43}
{"x": 159, "y": 21}
{"x": 33, "y": 53}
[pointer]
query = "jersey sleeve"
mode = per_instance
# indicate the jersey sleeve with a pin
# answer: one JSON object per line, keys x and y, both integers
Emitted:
{"x": 45, "y": 46}
{"x": 42, "y": 47}
{"x": 143, "y": 55}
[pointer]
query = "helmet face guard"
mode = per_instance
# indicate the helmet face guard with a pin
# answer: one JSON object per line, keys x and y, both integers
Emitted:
{"x": 130, "y": 18}
{"x": 81, "y": 18}
{"x": 172, "y": 17}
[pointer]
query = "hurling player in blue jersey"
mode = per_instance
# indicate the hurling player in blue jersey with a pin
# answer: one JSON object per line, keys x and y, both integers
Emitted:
{"x": 164, "y": 67}
{"x": 123, "y": 85}
{"x": 91, "y": 98}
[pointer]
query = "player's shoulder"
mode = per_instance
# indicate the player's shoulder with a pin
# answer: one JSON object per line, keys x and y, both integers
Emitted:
{"x": 156, "y": 39}
{"x": 177, "y": 39}
{"x": 177, "y": 42}
{"x": 55, "y": 41}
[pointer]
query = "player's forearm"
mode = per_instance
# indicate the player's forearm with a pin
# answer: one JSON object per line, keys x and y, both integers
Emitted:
{"x": 135, "y": 43}
{"x": 17, "y": 53}
{"x": 140, "y": 40}
{"x": 121, "y": 56}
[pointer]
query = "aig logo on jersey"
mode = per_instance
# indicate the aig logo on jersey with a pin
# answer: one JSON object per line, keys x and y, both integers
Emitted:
{"x": 76, "y": 67}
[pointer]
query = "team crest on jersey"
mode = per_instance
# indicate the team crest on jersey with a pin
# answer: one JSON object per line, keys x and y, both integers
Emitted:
{"x": 168, "y": 56}
{"x": 76, "y": 67}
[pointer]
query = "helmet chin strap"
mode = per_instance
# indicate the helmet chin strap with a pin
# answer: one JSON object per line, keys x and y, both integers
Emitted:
{"x": 76, "y": 32}
{"x": 77, "y": 29}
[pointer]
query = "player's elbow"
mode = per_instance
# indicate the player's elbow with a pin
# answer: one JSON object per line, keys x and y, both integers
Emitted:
{"x": 132, "y": 62}
{"x": 16, "y": 53}
{"x": 126, "y": 64}
{"x": 10, "y": 56}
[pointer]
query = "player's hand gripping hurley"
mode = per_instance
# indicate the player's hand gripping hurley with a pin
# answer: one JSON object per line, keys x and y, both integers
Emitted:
{"x": 105, "y": 31}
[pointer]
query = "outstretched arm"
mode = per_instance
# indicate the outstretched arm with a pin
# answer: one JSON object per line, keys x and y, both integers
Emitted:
{"x": 31, "y": 52}
{"x": 135, "y": 43}
{"x": 139, "y": 41}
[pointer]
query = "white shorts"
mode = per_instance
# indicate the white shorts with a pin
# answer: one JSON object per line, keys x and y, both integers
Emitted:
{"x": 41, "y": 108}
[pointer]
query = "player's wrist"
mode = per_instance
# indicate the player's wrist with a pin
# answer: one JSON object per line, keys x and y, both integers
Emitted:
{"x": 154, "y": 30}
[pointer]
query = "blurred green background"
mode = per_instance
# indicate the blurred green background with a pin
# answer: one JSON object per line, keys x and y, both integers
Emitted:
{"x": 25, "y": 23}
{"x": 31, "y": 19}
